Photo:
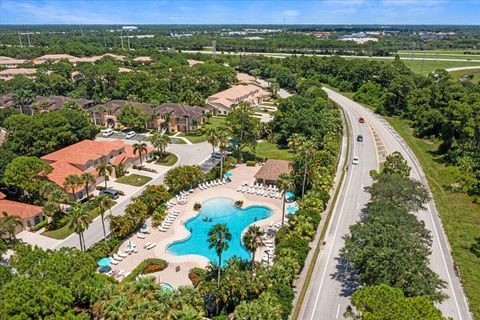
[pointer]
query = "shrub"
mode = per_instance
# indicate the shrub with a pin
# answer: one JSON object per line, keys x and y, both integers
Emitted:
{"x": 183, "y": 178}
{"x": 195, "y": 275}
{"x": 40, "y": 225}
{"x": 104, "y": 248}
{"x": 251, "y": 163}
{"x": 238, "y": 203}
{"x": 147, "y": 265}
{"x": 197, "y": 206}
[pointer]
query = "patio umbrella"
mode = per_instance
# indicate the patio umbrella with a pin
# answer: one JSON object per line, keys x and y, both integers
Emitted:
{"x": 292, "y": 209}
{"x": 289, "y": 195}
{"x": 130, "y": 245}
{"x": 104, "y": 262}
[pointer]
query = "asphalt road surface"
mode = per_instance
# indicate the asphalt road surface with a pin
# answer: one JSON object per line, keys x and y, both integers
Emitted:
{"x": 329, "y": 291}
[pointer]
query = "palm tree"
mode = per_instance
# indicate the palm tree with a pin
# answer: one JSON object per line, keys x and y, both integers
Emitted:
{"x": 218, "y": 238}
{"x": 167, "y": 118}
{"x": 222, "y": 140}
{"x": 208, "y": 115}
{"x": 308, "y": 150}
{"x": 140, "y": 148}
{"x": 8, "y": 224}
{"x": 160, "y": 142}
{"x": 105, "y": 170}
{"x": 79, "y": 221}
{"x": 23, "y": 98}
{"x": 103, "y": 203}
{"x": 284, "y": 183}
{"x": 71, "y": 183}
{"x": 212, "y": 137}
{"x": 87, "y": 179}
{"x": 252, "y": 240}
{"x": 295, "y": 141}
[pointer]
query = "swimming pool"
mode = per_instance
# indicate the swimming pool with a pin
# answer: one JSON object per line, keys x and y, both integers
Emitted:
{"x": 214, "y": 211}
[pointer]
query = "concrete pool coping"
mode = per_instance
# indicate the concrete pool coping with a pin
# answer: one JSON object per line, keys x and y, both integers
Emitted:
{"x": 177, "y": 230}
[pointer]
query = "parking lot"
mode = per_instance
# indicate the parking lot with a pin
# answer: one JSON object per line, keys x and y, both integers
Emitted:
{"x": 121, "y": 135}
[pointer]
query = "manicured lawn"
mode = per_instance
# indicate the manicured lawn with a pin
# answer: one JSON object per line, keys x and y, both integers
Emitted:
{"x": 428, "y": 66}
{"x": 197, "y": 137}
{"x": 168, "y": 160}
{"x": 460, "y": 217}
{"x": 134, "y": 180}
{"x": 271, "y": 151}
{"x": 63, "y": 232}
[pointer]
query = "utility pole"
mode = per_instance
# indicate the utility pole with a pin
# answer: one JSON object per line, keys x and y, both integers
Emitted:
{"x": 104, "y": 41}
{"x": 20, "y": 39}
{"x": 128, "y": 40}
{"x": 121, "y": 38}
{"x": 214, "y": 47}
{"x": 28, "y": 37}
{"x": 81, "y": 31}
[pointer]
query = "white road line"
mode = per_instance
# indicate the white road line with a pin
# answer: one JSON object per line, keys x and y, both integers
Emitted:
{"x": 338, "y": 311}
{"x": 419, "y": 174}
{"x": 334, "y": 236}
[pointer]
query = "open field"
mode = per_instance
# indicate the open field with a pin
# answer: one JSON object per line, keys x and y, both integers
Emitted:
{"x": 456, "y": 75}
{"x": 269, "y": 150}
{"x": 442, "y": 52}
{"x": 428, "y": 66}
{"x": 460, "y": 216}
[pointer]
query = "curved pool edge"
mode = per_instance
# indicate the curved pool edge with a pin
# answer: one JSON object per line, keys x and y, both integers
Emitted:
{"x": 189, "y": 234}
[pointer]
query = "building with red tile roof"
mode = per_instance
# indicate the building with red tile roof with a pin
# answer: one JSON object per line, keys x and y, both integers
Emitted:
{"x": 30, "y": 215}
{"x": 86, "y": 156}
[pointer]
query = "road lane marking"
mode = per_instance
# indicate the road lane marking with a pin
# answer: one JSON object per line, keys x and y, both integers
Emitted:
{"x": 334, "y": 236}
{"x": 416, "y": 166}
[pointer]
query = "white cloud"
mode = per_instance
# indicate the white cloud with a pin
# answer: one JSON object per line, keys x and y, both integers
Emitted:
{"x": 290, "y": 13}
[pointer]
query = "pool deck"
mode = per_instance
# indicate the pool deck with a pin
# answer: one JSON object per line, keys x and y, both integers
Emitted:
{"x": 176, "y": 273}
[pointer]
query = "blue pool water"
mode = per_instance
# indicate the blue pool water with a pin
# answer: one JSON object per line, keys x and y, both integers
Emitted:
{"x": 218, "y": 210}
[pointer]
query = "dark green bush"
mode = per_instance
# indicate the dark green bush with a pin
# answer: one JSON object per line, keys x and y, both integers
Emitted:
{"x": 251, "y": 163}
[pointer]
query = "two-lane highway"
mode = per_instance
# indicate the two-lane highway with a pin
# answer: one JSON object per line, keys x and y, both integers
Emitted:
{"x": 326, "y": 297}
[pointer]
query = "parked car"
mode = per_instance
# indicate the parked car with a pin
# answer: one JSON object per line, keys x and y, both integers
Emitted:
{"x": 130, "y": 135}
{"x": 359, "y": 138}
{"x": 355, "y": 160}
{"x": 112, "y": 193}
{"x": 218, "y": 155}
{"x": 107, "y": 133}
{"x": 361, "y": 120}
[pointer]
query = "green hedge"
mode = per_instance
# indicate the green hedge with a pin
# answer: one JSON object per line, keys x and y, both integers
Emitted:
{"x": 40, "y": 225}
{"x": 251, "y": 163}
{"x": 147, "y": 266}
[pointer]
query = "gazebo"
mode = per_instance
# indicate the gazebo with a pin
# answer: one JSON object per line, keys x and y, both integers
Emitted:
{"x": 271, "y": 171}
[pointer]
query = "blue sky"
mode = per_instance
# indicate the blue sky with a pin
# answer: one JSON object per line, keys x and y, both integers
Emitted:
{"x": 240, "y": 12}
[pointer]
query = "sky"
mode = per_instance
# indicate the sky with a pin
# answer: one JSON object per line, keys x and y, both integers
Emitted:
{"x": 240, "y": 12}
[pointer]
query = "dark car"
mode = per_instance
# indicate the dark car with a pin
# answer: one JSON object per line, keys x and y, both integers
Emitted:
{"x": 361, "y": 120}
{"x": 112, "y": 193}
{"x": 359, "y": 138}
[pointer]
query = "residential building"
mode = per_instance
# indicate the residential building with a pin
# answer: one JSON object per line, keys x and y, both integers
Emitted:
{"x": 10, "y": 73}
{"x": 45, "y": 104}
{"x": 182, "y": 118}
{"x": 30, "y": 215}
{"x": 86, "y": 156}
{"x": 53, "y": 58}
{"x": 225, "y": 101}
{"x": 10, "y": 63}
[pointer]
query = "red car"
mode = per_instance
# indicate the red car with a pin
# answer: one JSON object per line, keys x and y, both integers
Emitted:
{"x": 361, "y": 120}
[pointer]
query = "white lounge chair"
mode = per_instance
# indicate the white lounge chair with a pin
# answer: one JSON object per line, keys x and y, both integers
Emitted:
{"x": 151, "y": 245}
{"x": 163, "y": 229}
{"x": 147, "y": 244}
{"x": 121, "y": 254}
{"x": 113, "y": 261}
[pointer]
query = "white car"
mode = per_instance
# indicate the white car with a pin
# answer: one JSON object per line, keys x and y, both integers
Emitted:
{"x": 130, "y": 135}
{"x": 107, "y": 133}
{"x": 355, "y": 160}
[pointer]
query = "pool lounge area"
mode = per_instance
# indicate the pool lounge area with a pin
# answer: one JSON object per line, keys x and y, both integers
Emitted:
{"x": 169, "y": 245}
{"x": 214, "y": 211}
